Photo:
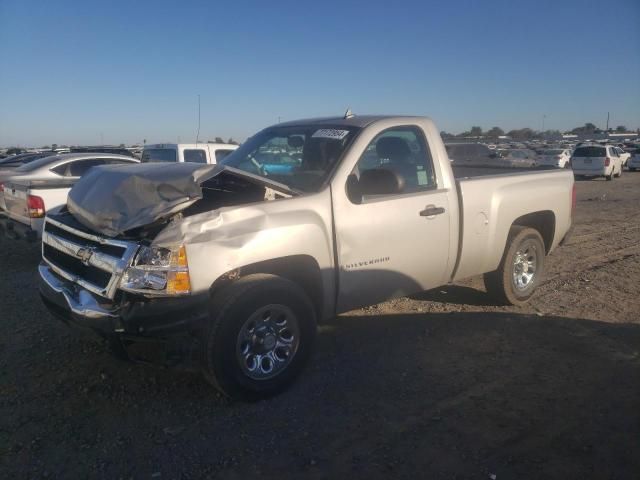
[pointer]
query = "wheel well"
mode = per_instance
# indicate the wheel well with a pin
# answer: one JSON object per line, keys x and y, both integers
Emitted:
{"x": 544, "y": 222}
{"x": 300, "y": 269}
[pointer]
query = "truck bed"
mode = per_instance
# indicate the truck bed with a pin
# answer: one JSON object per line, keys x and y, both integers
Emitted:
{"x": 491, "y": 199}
{"x": 470, "y": 171}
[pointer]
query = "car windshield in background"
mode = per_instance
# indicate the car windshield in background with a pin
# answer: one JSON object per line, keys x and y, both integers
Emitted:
{"x": 551, "y": 152}
{"x": 159, "y": 155}
{"x": 301, "y": 157}
{"x": 590, "y": 152}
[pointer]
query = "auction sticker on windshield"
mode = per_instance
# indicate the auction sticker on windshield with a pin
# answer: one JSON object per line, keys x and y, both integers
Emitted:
{"x": 330, "y": 133}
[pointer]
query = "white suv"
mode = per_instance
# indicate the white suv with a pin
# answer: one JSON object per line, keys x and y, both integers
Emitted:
{"x": 210, "y": 153}
{"x": 596, "y": 161}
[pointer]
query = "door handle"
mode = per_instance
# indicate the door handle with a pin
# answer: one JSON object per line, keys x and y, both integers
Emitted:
{"x": 431, "y": 211}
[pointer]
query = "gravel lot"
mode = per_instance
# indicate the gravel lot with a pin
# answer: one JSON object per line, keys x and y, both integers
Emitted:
{"x": 442, "y": 385}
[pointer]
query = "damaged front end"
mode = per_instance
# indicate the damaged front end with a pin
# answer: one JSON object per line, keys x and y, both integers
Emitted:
{"x": 101, "y": 267}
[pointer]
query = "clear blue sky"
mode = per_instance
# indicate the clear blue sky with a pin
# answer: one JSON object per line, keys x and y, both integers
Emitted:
{"x": 127, "y": 70}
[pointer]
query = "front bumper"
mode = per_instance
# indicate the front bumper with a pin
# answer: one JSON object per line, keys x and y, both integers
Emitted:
{"x": 590, "y": 172}
{"x": 129, "y": 316}
{"x": 16, "y": 230}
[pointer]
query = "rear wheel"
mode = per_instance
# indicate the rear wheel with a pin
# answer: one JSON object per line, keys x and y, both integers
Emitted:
{"x": 261, "y": 333}
{"x": 520, "y": 269}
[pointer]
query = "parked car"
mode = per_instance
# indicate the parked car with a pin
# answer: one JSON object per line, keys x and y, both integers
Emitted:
{"x": 557, "y": 157}
{"x": 520, "y": 157}
{"x": 596, "y": 161}
{"x": 242, "y": 264}
{"x": 634, "y": 162}
{"x": 38, "y": 186}
{"x": 187, "y": 152}
{"x": 624, "y": 156}
{"x": 475, "y": 153}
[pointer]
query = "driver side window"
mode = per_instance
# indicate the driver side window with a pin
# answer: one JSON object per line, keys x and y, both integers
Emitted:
{"x": 403, "y": 151}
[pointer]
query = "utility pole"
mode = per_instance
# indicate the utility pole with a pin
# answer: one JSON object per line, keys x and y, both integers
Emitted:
{"x": 198, "y": 134}
{"x": 607, "y": 121}
{"x": 543, "y": 118}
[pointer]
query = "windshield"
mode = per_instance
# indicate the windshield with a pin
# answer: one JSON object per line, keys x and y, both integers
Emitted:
{"x": 301, "y": 157}
{"x": 158, "y": 155}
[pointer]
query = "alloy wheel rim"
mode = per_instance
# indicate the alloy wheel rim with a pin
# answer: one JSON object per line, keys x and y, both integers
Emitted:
{"x": 268, "y": 341}
{"x": 525, "y": 265}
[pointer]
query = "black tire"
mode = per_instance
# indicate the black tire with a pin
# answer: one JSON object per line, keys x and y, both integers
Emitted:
{"x": 609, "y": 177}
{"x": 500, "y": 284}
{"x": 230, "y": 311}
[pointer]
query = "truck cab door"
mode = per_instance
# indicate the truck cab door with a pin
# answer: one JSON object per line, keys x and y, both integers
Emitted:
{"x": 391, "y": 222}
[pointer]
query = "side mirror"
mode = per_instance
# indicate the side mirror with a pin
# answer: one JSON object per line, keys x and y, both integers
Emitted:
{"x": 353, "y": 189}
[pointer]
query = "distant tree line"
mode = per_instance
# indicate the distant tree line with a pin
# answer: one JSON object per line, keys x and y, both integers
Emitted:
{"x": 231, "y": 141}
{"x": 530, "y": 134}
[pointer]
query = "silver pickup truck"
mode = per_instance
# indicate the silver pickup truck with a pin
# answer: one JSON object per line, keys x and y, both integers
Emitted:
{"x": 306, "y": 220}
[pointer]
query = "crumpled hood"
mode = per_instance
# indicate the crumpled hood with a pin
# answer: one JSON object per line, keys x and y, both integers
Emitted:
{"x": 116, "y": 198}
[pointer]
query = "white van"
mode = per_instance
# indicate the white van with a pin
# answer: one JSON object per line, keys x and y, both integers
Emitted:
{"x": 187, "y": 152}
{"x": 596, "y": 161}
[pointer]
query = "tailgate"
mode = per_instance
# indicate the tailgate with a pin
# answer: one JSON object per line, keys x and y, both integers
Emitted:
{"x": 586, "y": 163}
{"x": 15, "y": 202}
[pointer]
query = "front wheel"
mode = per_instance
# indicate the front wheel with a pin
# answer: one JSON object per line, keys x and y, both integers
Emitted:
{"x": 261, "y": 333}
{"x": 520, "y": 269}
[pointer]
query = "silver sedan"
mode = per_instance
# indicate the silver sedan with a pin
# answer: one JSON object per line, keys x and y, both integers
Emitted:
{"x": 69, "y": 166}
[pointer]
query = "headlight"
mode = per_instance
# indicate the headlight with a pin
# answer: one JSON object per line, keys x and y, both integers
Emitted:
{"x": 157, "y": 270}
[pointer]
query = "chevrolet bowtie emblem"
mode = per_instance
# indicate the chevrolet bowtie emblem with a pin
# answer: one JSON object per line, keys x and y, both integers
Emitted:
{"x": 85, "y": 254}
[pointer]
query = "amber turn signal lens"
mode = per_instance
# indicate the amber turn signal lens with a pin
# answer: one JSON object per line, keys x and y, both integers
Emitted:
{"x": 178, "y": 283}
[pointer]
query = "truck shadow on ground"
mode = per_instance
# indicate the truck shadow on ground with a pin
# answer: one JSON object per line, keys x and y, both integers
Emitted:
{"x": 456, "y": 294}
{"x": 461, "y": 394}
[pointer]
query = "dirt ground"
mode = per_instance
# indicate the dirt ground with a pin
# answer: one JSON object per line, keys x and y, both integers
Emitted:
{"x": 442, "y": 385}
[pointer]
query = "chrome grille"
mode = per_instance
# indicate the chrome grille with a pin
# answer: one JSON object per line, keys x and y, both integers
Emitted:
{"x": 94, "y": 263}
